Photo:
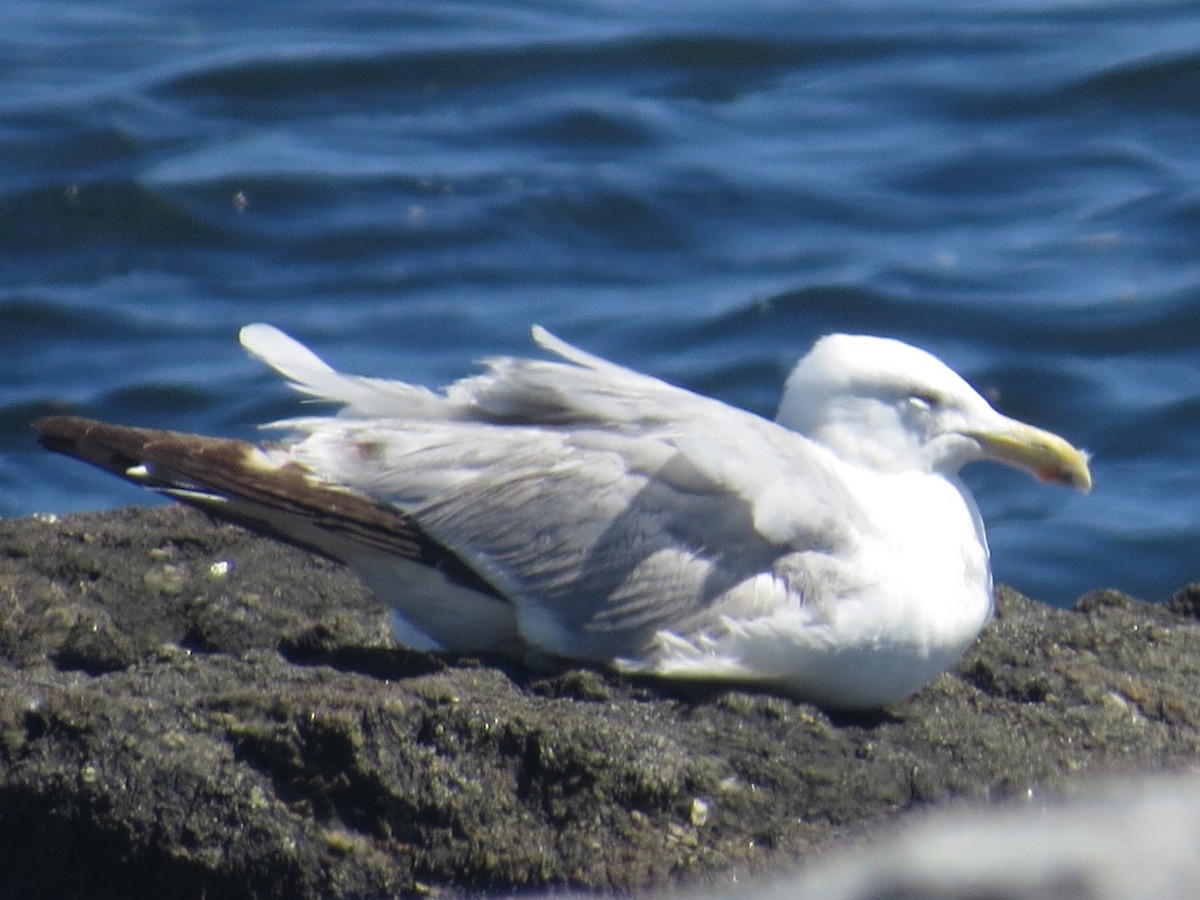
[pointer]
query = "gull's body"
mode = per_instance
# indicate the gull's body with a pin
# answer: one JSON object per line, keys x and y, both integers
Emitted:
{"x": 577, "y": 509}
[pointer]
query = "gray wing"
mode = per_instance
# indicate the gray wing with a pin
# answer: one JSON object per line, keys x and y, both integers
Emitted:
{"x": 600, "y": 539}
{"x": 605, "y": 503}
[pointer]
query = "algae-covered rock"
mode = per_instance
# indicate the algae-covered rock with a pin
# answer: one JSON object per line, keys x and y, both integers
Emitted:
{"x": 187, "y": 710}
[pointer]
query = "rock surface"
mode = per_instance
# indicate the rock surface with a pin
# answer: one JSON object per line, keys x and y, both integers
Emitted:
{"x": 187, "y": 710}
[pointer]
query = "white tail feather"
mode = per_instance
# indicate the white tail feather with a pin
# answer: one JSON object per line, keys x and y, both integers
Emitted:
{"x": 309, "y": 374}
{"x": 306, "y": 371}
{"x": 570, "y": 352}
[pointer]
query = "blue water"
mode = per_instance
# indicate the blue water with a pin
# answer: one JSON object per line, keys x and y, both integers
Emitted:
{"x": 697, "y": 190}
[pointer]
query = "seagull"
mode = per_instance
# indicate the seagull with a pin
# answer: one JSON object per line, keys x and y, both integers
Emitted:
{"x": 575, "y": 510}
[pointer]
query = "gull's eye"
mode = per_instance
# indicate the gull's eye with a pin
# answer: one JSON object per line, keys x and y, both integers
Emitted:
{"x": 925, "y": 400}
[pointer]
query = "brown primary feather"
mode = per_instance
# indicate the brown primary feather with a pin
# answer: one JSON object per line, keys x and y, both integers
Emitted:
{"x": 202, "y": 470}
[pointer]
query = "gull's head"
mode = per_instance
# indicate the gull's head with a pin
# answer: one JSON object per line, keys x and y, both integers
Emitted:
{"x": 883, "y": 404}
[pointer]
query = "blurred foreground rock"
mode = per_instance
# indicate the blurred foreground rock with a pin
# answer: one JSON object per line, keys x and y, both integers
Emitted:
{"x": 1118, "y": 839}
{"x": 190, "y": 711}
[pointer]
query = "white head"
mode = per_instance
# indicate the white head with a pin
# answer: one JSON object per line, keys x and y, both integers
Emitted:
{"x": 885, "y": 405}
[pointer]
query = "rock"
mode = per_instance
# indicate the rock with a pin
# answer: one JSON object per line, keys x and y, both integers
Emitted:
{"x": 187, "y": 710}
{"x": 1111, "y": 840}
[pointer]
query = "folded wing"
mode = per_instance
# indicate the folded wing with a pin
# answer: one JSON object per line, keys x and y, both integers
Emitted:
{"x": 604, "y": 503}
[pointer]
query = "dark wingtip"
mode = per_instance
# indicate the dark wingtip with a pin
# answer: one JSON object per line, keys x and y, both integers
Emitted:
{"x": 88, "y": 440}
{"x": 60, "y": 433}
{"x": 200, "y": 470}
